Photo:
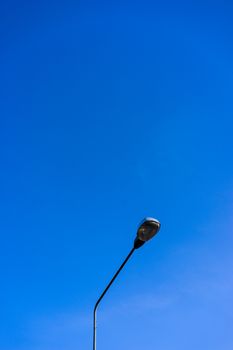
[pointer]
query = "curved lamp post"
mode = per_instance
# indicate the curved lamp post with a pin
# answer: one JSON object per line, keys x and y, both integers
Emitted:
{"x": 148, "y": 228}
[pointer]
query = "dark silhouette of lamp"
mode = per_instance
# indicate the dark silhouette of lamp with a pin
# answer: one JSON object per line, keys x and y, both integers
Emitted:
{"x": 148, "y": 228}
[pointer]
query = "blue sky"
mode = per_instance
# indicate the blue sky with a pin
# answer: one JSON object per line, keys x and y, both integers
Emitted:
{"x": 110, "y": 112}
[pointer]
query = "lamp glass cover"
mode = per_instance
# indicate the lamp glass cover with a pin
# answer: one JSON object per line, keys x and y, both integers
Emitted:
{"x": 148, "y": 229}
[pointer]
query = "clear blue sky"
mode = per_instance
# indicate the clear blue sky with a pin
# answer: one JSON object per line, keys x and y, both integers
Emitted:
{"x": 109, "y": 112}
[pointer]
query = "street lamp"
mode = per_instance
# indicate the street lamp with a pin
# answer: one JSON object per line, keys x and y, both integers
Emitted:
{"x": 148, "y": 228}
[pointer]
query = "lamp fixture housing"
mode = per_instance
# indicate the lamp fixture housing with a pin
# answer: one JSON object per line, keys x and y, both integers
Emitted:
{"x": 148, "y": 228}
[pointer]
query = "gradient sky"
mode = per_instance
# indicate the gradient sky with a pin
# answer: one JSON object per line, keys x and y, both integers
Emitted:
{"x": 109, "y": 112}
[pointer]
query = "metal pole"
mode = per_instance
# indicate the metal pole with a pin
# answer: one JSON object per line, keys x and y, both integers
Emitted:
{"x": 104, "y": 292}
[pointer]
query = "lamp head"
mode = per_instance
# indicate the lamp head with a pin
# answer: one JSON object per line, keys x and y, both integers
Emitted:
{"x": 148, "y": 228}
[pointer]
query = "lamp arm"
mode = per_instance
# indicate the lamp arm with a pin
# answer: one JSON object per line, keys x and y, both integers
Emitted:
{"x": 104, "y": 292}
